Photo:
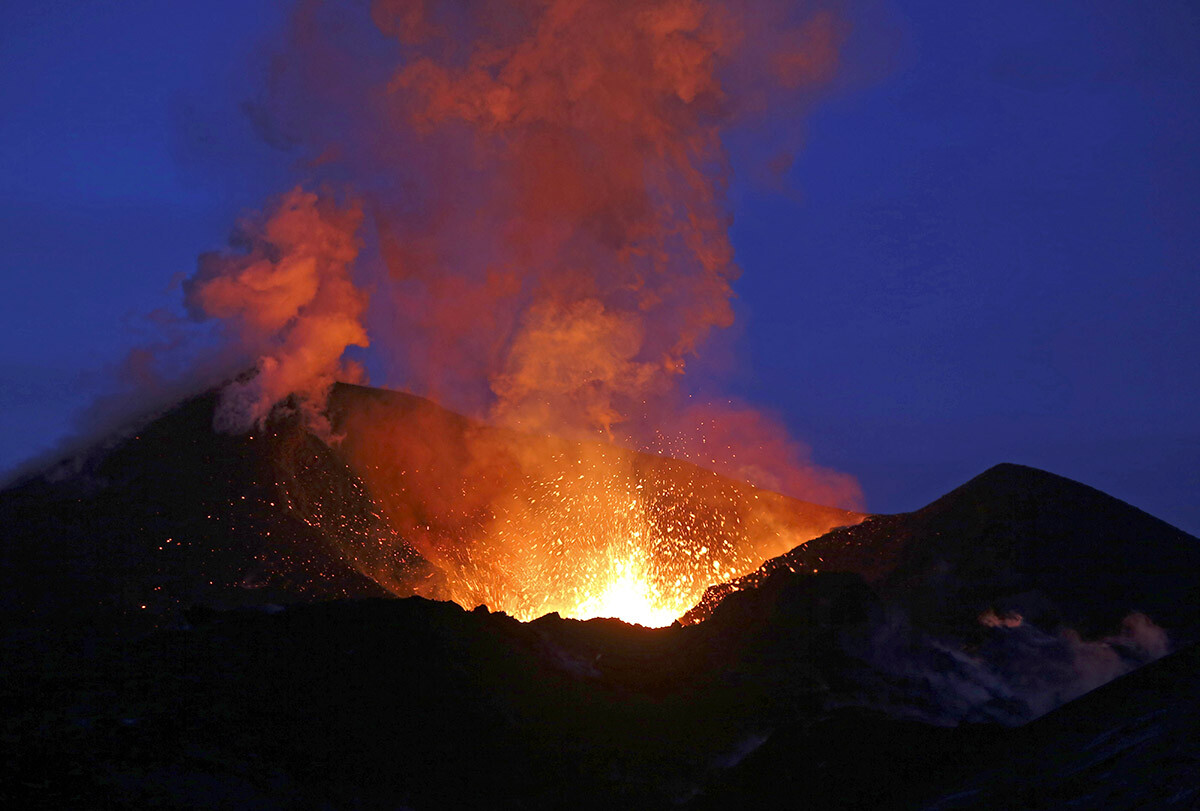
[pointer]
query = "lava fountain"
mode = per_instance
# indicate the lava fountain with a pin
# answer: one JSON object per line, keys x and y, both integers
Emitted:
{"x": 530, "y": 524}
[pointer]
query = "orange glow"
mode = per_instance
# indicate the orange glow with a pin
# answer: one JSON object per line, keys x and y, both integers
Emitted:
{"x": 530, "y": 524}
{"x": 629, "y": 595}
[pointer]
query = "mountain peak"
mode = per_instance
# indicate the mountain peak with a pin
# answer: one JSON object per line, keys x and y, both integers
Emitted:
{"x": 1013, "y": 538}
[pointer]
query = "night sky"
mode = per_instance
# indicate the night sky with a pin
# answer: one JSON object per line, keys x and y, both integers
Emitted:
{"x": 986, "y": 251}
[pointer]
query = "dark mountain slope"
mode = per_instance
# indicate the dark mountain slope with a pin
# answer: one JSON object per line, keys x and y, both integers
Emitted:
{"x": 1134, "y": 743}
{"x": 1018, "y": 541}
{"x": 797, "y": 677}
{"x": 816, "y": 683}
{"x": 407, "y": 703}
{"x": 172, "y": 515}
{"x": 414, "y": 703}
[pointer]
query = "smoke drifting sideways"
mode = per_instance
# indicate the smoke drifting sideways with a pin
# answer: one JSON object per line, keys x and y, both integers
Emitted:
{"x": 521, "y": 206}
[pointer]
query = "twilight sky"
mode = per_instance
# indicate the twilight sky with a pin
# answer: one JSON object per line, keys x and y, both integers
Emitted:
{"x": 987, "y": 250}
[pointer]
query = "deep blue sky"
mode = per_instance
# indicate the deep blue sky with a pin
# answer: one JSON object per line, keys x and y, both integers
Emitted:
{"x": 987, "y": 251}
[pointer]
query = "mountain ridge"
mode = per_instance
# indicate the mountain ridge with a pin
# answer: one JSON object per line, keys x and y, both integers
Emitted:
{"x": 1016, "y": 540}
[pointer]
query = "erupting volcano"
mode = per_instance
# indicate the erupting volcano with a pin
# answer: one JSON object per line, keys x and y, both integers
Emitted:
{"x": 547, "y": 252}
{"x": 549, "y": 558}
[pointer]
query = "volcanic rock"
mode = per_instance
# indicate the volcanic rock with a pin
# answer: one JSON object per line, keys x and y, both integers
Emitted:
{"x": 1134, "y": 743}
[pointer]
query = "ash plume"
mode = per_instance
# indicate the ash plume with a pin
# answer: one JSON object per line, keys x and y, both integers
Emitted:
{"x": 549, "y": 252}
{"x": 285, "y": 296}
{"x": 546, "y": 182}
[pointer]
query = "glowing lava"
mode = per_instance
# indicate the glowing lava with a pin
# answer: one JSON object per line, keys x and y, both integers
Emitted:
{"x": 530, "y": 525}
{"x": 630, "y": 597}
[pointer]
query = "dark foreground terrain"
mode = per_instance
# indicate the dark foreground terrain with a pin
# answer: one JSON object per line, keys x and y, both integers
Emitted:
{"x": 1007, "y": 646}
{"x": 417, "y": 704}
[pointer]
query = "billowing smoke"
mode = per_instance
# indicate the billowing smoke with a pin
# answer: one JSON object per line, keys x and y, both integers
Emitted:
{"x": 285, "y": 297}
{"x": 598, "y": 127}
{"x": 549, "y": 251}
{"x": 546, "y": 181}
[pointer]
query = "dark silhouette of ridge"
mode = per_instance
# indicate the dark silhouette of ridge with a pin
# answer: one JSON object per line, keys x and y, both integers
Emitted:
{"x": 173, "y": 515}
{"x": 1133, "y": 743}
{"x": 1015, "y": 540}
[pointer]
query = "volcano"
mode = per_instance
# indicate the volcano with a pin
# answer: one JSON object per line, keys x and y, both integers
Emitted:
{"x": 176, "y": 514}
{"x": 196, "y": 619}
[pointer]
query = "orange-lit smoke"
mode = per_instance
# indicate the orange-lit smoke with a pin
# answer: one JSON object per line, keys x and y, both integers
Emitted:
{"x": 573, "y": 250}
{"x": 531, "y": 524}
{"x": 550, "y": 250}
{"x": 751, "y": 445}
{"x": 285, "y": 295}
